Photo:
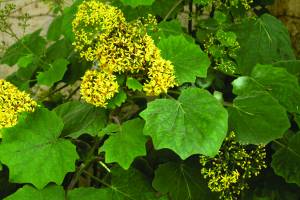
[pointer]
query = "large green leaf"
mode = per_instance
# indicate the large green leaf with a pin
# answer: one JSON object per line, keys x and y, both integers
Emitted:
{"x": 281, "y": 85}
{"x": 80, "y": 118}
{"x": 30, "y": 44}
{"x": 286, "y": 160}
{"x": 277, "y": 81}
{"x": 126, "y": 144}
{"x": 33, "y": 151}
{"x": 182, "y": 181}
{"x": 194, "y": 124}
{"x": 257, "y": 118}
{"x": 188, "y": 59}
{"x": 30, "y": 193}
{"x": 135, "y": 3}
{"x": 54, "y": 74}
{"x": 126, "y": 185}
{"x": 263, "y": 40}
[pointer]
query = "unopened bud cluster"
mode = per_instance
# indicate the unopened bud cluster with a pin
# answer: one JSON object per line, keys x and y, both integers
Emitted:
{"x": 228, "y": 172}
{"x": 103, "y": 36}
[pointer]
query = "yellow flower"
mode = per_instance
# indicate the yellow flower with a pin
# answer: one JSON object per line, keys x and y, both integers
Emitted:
{"x": 102, "y": 35}
{"x": 12, "y": 103}
{"x": 98, "y": 87}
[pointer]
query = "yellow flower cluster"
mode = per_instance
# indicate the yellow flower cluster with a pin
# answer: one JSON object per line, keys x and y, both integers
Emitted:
{"x": 13, "y": 102}
{"x": 98, "y": 87}
{"x": 228, "y": 172}
{"x": 102, "y": 35}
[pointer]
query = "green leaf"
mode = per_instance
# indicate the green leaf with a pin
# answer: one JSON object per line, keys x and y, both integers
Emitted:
{"x": 194, "y": 124}
{"x": 117, "y": 100}
{"x": 134, "y": 84}
{"x": 135, "y": 3}
{"x": 245, "y": 84}
{"x": 24, "y": 61}
{"x": 33, "y": 151}
{"x": 80, "y": 118}
{"x": 181, "y": 181}
{"x": 30, "y": 44}
{"x": 87, "y": 193}
{"x": 257, "y": 118}
{"x": 281, "y": 85}
{"x": 55, "y": 29}
{"x": 60, "y": 49}
{"x": 188, "y": 59}
{"x": 68, "y": 16}
{"x": 286, "y": 160}
{"x": 265, "y": 41}
{"x": 292, "y": 66}
{"x": 126, "y": 144}
{"x": 54, "y": 74}
{"x": 126, "y": 185}
{"x": 29, "y": 193}
{"x": 168, "y": 28}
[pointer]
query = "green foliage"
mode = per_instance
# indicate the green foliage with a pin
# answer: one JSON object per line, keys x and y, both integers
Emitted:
{"x": 265, "y": 41}
{"x": 257, "y": 118}
{"x": 286, "y": 160}
{"x": 127, "y": 143}
{"x": 181, "y": 180}
{"x": 189, "y": 62}
{"x": 40, "y": 148}
{"x": 28, "y": 192}
{"x": 188, "y": 125}
{"x": 80, "y": 118}
{"x": 54, "y": 74}
{"x": 235, "y": 70}
{"x": 29, "y": 44}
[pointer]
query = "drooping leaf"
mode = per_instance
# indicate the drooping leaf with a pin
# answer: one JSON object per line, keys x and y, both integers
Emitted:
{"x": 54, "y": 74}
{"x": 265, "y": 41}
{"x": 126, "y": 144}
{"x": 80, "y": 118}
{"x": 29, "y": 193}
{"x": 286, "y": 160}
{"x": 188, "y": 59}
{"x": 194, "y": 124}
{"x": 30, "y": 44}
{"x": 134, "y": 3}
{"x": 257, "y": 118}
{"x": 182, "y": 181}
{"x": 55, "y": 29}
{"x": 33, "y": 151}
{"x": 134, "y": 84}
{"x": 126, "y": 185}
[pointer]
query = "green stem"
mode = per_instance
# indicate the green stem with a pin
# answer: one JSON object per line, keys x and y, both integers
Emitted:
{"x": 89, "y": 159}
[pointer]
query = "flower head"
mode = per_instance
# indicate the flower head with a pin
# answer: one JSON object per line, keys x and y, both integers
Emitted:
{"x": 98, "y": 87}
{"x": 13, "y": 102}
{"x": 228, "y": 172}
